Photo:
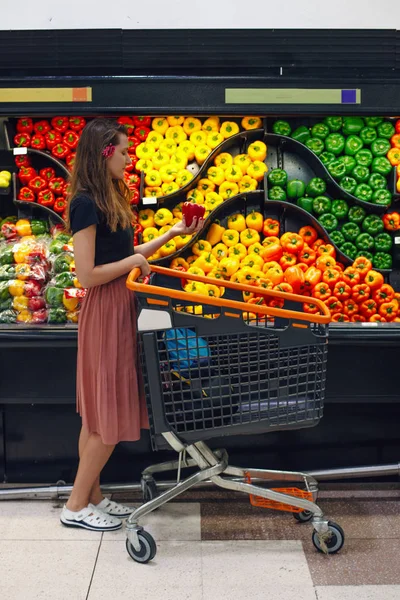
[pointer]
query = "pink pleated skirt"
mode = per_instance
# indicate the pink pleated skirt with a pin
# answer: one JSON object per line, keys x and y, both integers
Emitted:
{"x": 110, "y": 396}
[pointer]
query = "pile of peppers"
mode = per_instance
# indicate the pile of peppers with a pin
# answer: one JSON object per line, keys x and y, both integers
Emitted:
{"x": 393, "y": 154}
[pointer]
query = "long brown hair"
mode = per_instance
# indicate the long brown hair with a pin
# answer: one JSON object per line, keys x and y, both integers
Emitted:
{"x": 91, "y": 176}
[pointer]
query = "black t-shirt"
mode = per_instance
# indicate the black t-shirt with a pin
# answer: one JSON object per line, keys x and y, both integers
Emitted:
{"x": 110, "y": 246}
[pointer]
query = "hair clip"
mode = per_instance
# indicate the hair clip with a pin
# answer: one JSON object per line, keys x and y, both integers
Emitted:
{"x": 108, "y": 151}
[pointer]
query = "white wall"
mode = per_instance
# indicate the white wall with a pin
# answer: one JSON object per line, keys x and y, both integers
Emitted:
{"x": 196, "y": 14}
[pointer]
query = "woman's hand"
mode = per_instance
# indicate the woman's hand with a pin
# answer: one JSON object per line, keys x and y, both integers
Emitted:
{"x": 139, "y": 261}
{"x": 182, "y": 229}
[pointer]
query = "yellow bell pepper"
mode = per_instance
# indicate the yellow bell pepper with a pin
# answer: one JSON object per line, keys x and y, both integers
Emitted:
{"x": 251, "y": 123}
{"x": 77, "y": 284}
{"x": 164, "y": 229}
{"x": 206, "y": 262}
{"x": 150, "y": 233}
{"x": 144, "y": 165}
{"x": 245, "y": 275}
{"x": 228, "y": 189}
{"x": 255, "y": 220}
{"x": 191, "y": 259}
{"x": 191, "y": 124}
{"x": 248, "y": 296}
{"x": 228, "y": 266}
{"x": 153, "y": 178}
{"x": 179, "y": 262}
{"x": 177, "y": 211}
{"x": 201, "y": 152}
{"x": 20, "y": 253}
{"x": 253, "y": 260}
{"x": 247, "y": 184}
{"x": 23, "y": 227}
{"x": 193, "y": 310}
{"x": 168, "y": 248}
{"x": 25, "y": 316}
{"x": 230, "y": 237}
{"x": 220, "y": 251}
{"x": 155, "y": 256}
{"x": 233, "y": 174}
{"x": 198, "y": 138}
{"x": 249, "y": 237}
{"x": 264, "y": 283}
{"x": 16, "y": 287}
{"x": 215, "y": 232}
{"x": 195, "y": 196}
{"x": 153, "y": 192}
{"x": 195, "y": 270}
{"x": 145, "y": 150}
{"x": 182, "y": 240}
{"x": 159, "y": 159}
{"x": 257, "y": 169}
{"x": 179, "y": 160}
{"x": 211, "y": 124}
{"x": 223, "y": 160}
{"x": 213, "y": 200}
{"x": 183, "y": 177}
{"x": 70, "y": 303}
{"x": 201, "y": 247}
{"x": 256, "y": 248}
{"x": 73, "y": 316}
{"x": 176, "y": 134}
{"x": 205, "y": 186}
{"x": 237, "y": 222}
{"x": 214, "y": 139}
{"x": 174, "y": 121}
{"x": 175, "y": 220}
{"x": 188, "y": 148}
{"x": 146, "y": 218}
{"x": 155, "y": 138}
{"x": 238, "y": 251}
{"x": 168, "y": 173}
{"x": 160, "y": 124}
{"x": 212, "y": 290}
{"x": 20, "y": 302}
{"x": 169, "y": 188}
{"x": 257, "y": 151}
{"x": 168, "y": 146}
{"x": 216, "y": 175}
{"x": 229, "y": 128}
{"x": 196, "y": 287}
{"x": 163, "y": 216}
{"x": 243, "y": 161}
{"x": 22, "y": 271}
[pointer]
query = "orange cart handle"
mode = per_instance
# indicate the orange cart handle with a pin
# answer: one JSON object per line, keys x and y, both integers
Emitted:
{"x": 154, "y": 290}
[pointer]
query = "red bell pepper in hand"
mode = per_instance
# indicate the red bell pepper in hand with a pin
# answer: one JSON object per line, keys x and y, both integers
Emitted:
{"x": 22, "y": 160}
{"x": 48, "y": 173}
{"x": 133, "y": 143}
{"x": 46, "y": 198}
{"x": 142, "y": 121}
{"x": 57, "y": 185}
{"x": 26, "y": 195}
{"x": 25, "y": 174}
{"x": 71, "y": 160}
{"x": 77, "y": 123}
{"x": 71, "y": 139}
{"x": 60, "y": 124}
{"x": 128, "y": 123}
{"x": 135, "y": 196}
{"x": 52, "y": 138}
{"x": 60, "y": 151}
{"x": 38, "y": 142}
{"x": 42, "y": 127}
{"x": 25, "y": 125}
{"x": 38, "y": 184}
{"x": 191, "y": 211}
{"x": 60, "y": 205}
{"x": 142, "y": 132}
{"x": 22, "y": 140}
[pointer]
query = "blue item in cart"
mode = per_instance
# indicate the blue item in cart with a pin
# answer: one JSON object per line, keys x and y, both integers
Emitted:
{"x": 186, "y": 349}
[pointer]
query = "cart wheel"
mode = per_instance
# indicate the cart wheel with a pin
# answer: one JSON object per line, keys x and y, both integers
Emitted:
{"x": 148, "y": 548}
{"x": 149, "y": 489}
{"x": 333, "y": 543}
{"x": 304, "y": 516}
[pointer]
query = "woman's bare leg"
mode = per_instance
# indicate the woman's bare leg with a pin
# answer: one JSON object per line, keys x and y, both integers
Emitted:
{"x": 95, "y": 496}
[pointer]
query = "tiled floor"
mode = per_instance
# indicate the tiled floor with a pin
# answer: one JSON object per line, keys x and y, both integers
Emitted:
{"x": 210, "y": 545}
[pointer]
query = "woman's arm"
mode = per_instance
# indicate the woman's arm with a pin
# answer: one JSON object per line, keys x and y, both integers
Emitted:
{"x": 91, "y": 276}
{"x": 149, "y": 248}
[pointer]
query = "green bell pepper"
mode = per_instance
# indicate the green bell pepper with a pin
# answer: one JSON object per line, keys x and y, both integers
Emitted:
{"x": 363, "y": 192}
{"x": 6, "y": 256}
{"x": 64, "y": 279}
{"x": 63, "y": 237}
{"x": 382, "y": 197}
{"x": 365, "y": 241}
{"x": 277, "y": 177}
{"x": 381, "y": 165}
{"x": 57, "y": 315}
{"x": 351, "y": 231}
{"x": 377, "y": 181}
{"x": 305, "y": 203}
{"x": 334, "y": 123}
{"x": 277, "y": 193}
{"x": 316, "y": 187}
{"x": 364, "y": 157}
{"x": 301, "y": 134}
{"x": 349, "y": 162}
{"x": 373, "y": 121}
{"x": 320, "y": 130}
{"x": 382, "y": 260}
{"x": 56, "y": 247}
{"x": 7, "y": 272}
{"x": 328, "y": 221}
{"x": 360, "y": 173}
{"x": 54, "y": 296}
{"x": 380, "y": 147}
{"x": 4, "y": 292}
{"x": 322, "y": 205}
{"x": 326, "y": 157}
{"x": 340, "y": 208}
{"x": 315, "y": 145}
{"x": 357, "y": 214}
{"x": 335, "y": 143}
{"x": 39, "y": 227}
{"x": 368, "y": 135}
{"x": 386, "y": 130}
{"x": 6, "y": 304}
{"x": 337, "y": 169}
{"x": 349, "y": 249}
{"x": 62, "y": 263}
{"x": 281, "y": 128}
{"x": 373, "y": 225}
{"x": 365, "y": 254}
{"x": 337, "y": 238}
{"x": 352, "y": 125}
{"x": 295, "y": 188}
{"x": 8, "y": 316}
{"x": 349, "y": 184}
{"x": 383, "y": 242}
{"x": 353, "y": 145}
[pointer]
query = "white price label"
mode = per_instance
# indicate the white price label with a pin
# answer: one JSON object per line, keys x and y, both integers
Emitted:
{"x": 149, "y": 201}
{"x": 17, "y": 151}
{"x": 397, "y": 239}
{"x": 369, "y": 324}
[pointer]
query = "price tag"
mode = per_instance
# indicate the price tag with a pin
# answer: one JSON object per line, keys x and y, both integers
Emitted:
{"x": 397, "y": 239}
{"x": 17, "y": 151}
{"x": 369, "y": 324}
{"x": 149, "y": 201}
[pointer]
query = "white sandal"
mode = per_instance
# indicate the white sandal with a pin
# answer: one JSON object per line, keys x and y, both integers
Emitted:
{"x": 90, "y": 518}
{"x": 114, "y": 509}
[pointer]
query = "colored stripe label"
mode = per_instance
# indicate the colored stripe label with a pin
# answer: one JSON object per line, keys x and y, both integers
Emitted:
{"x": 291, "y": 96}
{"x": 27, "y": 95}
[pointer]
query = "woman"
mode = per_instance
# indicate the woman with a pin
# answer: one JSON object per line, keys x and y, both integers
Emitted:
{"x": 109, "y": 397}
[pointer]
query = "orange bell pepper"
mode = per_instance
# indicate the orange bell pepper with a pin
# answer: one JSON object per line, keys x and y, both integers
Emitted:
{"x": 326, "y": 249}
{"x": 303, "y": 266}
{"x": 284, "y": 287}
{"x": 352, "y": 276}
{"x": 395, "y": 140}
{"x": 394, "y": 156}
{"x": 308, "y": 234}
{"x": 295, "y": 277}
{"x": 307, "y": 255}
{"x": 374, "y": 279}
{"x": 363, "y": 265}
{"x": 317, "y": 244}
{"x": 272, "y": 251}
{"x": 391, "y": 221}
{"x": 292, "y": 242}
{"x": 325, "y": 262}
{"x": 275, "y": 274}
{"x": 311, "y": 277}
{"x": 322, "y": 291}
{"x": 331, "y": 277}
{"x": 377, "y": 319}
{"x": 287, "y": 260}
{"x": 310, "y": 308}
{"x": 340, "y": 318}
{"x": 384, "y": 294}
{"x": 271, "y": 227}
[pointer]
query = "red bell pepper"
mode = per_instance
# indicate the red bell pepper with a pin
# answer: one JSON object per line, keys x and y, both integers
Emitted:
{"x": 57, "y": 185}
{"x": 135, "y": 196}
{"x": 36, "y": 303}
{"x": 133, "y": 180}
{"x": 71, "y": 139}
{"x": 142, "y": 133}
{"x": 60, "y": 124}
{"x": 25, "y": 125}
{"x": 190, "y": 210}
{"x": 128, "y": 123}
{"x": 32, "y": 288}
{"x": 70, "y": 160}
{"x": 134, "y": 160}
{"x": 77, "y": 123}
{"x": 142, "y": 121}
{"x": 22, "y": 160}
{"x": 46, "y": 198}
{"x": 37, "y": 184}
{"x": 47, "y": 173}
{"x": 133, "y": 143}
{"x": 26, "y": 174}
{"x": 9, "y": 231}
{"x": 42, "y": 127}
{"x": 60, "y": 205}
{"x": 38, "y": 142}
{"x": 52, "y": 138}
{"x": 60, "y": 151}
{"x": 26, "y": 195}
{"x": 22, "y": 140}
{"x": 397, "y": 126}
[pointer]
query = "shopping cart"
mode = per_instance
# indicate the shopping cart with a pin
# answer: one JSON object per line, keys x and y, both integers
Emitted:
{"x": 215, "y": 367}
